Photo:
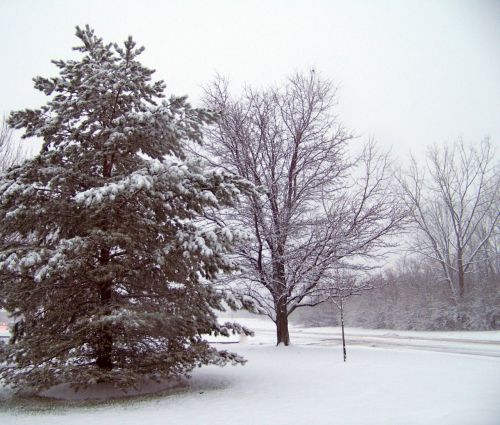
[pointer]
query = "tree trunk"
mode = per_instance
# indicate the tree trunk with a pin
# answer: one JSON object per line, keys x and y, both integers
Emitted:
{"x": 104, "y": 345}
{"x": 280, "y": 297}
{"x": 282, "y": 335}
{"x": 461, "y": 273}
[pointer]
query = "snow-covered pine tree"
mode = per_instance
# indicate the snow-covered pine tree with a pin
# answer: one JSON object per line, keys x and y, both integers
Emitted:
{"x": 107, "y": 248}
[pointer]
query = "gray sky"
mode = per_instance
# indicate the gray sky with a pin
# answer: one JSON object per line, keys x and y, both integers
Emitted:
{"x": 411, "y": 73}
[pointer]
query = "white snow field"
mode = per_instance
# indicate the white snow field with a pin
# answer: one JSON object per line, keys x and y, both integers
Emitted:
{"x": 390, "y": 377}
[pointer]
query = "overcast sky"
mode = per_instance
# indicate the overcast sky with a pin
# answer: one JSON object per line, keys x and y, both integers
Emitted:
{"x": 411, "y": 73}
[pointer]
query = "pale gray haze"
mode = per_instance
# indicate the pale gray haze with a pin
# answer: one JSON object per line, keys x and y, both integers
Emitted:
{"x": 410, "y": 73}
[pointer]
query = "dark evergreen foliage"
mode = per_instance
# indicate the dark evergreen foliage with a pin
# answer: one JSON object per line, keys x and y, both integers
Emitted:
{"x": 107, "y": 239}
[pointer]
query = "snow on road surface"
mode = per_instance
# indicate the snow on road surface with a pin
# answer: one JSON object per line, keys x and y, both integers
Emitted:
{"x": 309, "y": 384}
{"x": 460, "y": 342}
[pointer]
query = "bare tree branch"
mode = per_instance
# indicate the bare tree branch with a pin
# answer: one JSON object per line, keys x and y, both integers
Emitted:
{"x": 318, "y": 208}
{"x": 11, "y": 153}
{"x": 455, "y": 207}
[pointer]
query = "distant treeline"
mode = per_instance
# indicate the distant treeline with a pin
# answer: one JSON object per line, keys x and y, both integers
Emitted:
{"x": 412, "y": 296}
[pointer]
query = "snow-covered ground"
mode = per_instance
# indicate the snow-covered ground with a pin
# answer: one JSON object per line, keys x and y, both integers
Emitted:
{"x": 460, "y": 342}
{"x": 390, "y": 377}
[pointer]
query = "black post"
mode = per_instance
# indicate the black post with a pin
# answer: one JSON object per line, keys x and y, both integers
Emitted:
{"x": 342, "y": 325}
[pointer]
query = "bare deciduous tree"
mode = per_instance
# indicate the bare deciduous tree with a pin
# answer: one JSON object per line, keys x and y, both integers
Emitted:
{"x": 455, "y": 204}
{"x": 10, "y": 152}
{"x": 318, "y": 210}
{"x": 341, "y": 285}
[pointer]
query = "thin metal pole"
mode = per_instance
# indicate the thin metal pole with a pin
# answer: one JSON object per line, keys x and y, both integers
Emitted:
{"x": 342, "y": 325}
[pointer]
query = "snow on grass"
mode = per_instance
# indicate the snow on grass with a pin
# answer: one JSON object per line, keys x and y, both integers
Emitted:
{"x": 307, "y": 384}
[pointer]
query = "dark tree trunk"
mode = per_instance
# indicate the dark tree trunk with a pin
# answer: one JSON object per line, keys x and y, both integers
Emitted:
{"x": 104, "y": 344}
{"x": 461, "y": 273}
{"x": 280, "y": 296}
{"x": 282, "y": 335}
{"x": 104, "y": 347}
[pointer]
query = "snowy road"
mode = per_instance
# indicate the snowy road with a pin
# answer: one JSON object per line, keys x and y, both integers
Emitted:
{"x": 456, "y": 342}
{"x": 447, "y": 345}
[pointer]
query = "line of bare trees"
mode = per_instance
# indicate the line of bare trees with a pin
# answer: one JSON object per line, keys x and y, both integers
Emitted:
{"x": 449, "y": 277}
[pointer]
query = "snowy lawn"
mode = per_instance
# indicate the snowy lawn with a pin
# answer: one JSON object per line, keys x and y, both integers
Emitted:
{"x": 305, "y": 384}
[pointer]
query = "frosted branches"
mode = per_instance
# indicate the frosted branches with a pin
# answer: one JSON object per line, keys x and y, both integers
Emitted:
{"x": 455, "y": 204}
{"x": 318, "y": 208}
